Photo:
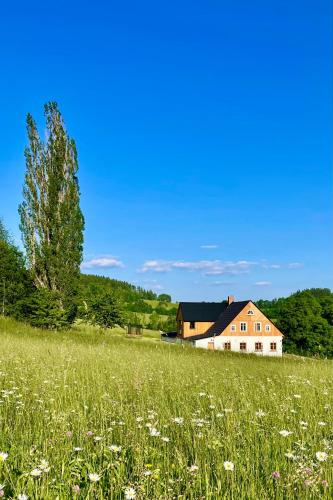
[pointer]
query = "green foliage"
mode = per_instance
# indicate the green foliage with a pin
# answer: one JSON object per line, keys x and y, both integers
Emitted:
{"x": 104, "y": 311}
{"x": 164, "y": 297}
{"x": 43, "y": 308}
{"x": 15, "y": 282}
{"x": 306, "y": 320}
{"x": 51, "y": 220}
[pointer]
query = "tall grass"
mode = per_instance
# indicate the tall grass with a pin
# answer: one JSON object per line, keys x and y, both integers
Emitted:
{"x": 158, "y": 421}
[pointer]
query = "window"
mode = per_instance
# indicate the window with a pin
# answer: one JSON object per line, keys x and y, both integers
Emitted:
{"x": 267, "y": 328}
{"x": 250, "y": 312}
{"x": 233, "y": 328}
{"x": 243, "y": 326}
{"x": 273, "y": 346}
{"x": 227, "y": 346}
{"x": 192, "y": 325}
{"x": 242, "y": 346}
{"x": 257, "y": 327}
{"x": 258, "y": 346}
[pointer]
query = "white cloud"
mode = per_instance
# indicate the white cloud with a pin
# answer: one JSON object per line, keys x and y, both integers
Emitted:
{"x": 271, "y": 266}
{"x": 207, "y": 267}
{"x": 262, "y": 283}
{"x": 209, "y": 247}
{"x": 102, "y": 262}
{"x": 295, "y": 265}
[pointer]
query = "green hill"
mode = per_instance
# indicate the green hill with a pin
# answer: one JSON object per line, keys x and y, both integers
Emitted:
{"x": 141, "y": 306}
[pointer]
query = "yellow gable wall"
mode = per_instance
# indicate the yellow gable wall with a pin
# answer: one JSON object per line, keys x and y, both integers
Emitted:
{"x": 200, "y": 327}
{"x": 258, "y": 316}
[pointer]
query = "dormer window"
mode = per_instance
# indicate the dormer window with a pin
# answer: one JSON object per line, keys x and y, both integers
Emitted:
{"x": 250, "y": 312}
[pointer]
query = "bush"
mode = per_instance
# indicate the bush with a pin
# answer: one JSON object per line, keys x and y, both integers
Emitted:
{"x": 105, "y": 311}
{"x": 44, "y": 309}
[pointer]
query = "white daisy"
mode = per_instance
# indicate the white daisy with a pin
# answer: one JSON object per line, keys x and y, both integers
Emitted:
{"x": 228, "y": 466}
{"x": 321, "y": 456}
{"x": 93, "y": 477}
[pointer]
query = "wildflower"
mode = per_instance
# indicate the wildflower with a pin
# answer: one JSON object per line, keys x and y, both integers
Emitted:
{"x": 154, "y": 432}
{"x": 178, "y": 420}
{"x": 97, "y": 439}
{"x": 130, "y": 493}
{"x": 44, "y": 466}
{"x": 2, "y": 493}
{"x": 321, "y": 456}
{"x": 165, "y": 439}
{"x": 297, "y": 396}
{"x": 193, "y": 468}
{"x": 307, "y": 483}
{"x": 139, "y": 419}
{"x": 324, "y": 483}
{"x": 22, "y": 496}
{"x": 93, "y": 477}
{"x": 36, "y": 473}
{"x": 285, "y": 433}
{"x": 303, "y": 424}
{"x": 90, "y": 434}
{"x": 290, "y": 455}
{"x": 3, "y": 456}
{"x": 322, "y": 423}
{"x": 147, "y": 473}
{"x": 77, "y": 448}
{"x": 228, "y": 466}
{"x": 276, "y": 474}
{"x": 115, "y": 448}
{"x": 219, "y": 415}
{"x": 69, "y": 434}
{"x": 76, "y": 489}
{"x": 260, "y": 413}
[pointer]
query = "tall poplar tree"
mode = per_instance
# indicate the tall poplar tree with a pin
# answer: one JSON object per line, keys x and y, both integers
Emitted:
{"x": 51, "y": 219}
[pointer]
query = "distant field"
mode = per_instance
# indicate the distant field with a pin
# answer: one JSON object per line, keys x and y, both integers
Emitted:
{"x": 99, "y": 416}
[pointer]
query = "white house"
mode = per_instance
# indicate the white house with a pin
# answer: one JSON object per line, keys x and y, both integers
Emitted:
{"x": 228, "y": 325}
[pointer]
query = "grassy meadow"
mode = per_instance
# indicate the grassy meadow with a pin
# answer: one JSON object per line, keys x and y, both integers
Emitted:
{"x": 97, "y": 415}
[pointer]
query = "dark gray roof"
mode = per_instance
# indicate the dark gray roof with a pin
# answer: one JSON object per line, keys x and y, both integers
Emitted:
{"x": 202, "y": 311}
{"x": 224, "y": 319}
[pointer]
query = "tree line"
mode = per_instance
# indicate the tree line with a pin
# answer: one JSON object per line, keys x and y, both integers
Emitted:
{"x": 306, "y": 320}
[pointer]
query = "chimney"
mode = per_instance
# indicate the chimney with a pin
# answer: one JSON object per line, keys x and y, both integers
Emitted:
{"x": 231, "y": 299}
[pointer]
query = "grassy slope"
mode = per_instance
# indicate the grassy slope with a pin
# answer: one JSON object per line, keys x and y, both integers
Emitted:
{"x": 90, "y": 381}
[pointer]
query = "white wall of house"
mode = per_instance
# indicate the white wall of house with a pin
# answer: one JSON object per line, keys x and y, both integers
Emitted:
{"x": 250, "y": 341}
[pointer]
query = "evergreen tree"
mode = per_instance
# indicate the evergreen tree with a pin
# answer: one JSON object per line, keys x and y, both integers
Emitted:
{"x": 51, "y": 219}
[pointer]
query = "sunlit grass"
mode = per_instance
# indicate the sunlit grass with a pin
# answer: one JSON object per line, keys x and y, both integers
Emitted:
{"x": 172, "y": 416}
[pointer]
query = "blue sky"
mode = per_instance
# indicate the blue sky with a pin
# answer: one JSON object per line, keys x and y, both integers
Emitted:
{"x": 203, "y": 130}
